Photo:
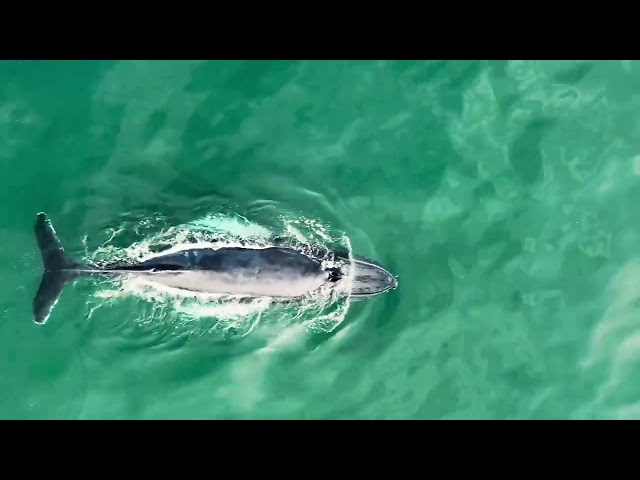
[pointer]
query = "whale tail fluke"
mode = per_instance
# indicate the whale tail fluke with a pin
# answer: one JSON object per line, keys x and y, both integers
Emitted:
{"x": 59, "y": 269}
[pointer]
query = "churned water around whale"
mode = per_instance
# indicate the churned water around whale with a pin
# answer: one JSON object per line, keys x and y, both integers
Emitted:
{"x": 228, "y": 315}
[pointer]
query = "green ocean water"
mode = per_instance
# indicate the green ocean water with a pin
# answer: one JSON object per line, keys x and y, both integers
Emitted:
{"x": 502, "y": 194}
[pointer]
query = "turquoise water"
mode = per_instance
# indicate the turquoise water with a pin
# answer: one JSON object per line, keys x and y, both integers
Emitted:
{"x": 501, "y": 194}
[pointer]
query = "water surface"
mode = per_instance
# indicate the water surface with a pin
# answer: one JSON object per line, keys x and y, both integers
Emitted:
{"x": 502, "y": 195}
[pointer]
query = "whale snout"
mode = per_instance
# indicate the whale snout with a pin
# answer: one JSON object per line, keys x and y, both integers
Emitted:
{"x": 370, "y": 278}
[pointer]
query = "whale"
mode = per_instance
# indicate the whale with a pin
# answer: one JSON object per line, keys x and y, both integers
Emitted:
{"x": 279, "y": 272}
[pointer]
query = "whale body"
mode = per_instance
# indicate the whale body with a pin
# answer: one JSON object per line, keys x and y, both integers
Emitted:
{"x": 274, "y": 272}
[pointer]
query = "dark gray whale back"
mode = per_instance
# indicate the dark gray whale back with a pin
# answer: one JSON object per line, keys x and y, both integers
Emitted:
{"x": 229, "y": 259}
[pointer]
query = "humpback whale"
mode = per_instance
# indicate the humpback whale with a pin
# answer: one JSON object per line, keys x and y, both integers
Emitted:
{"x": 278, "y": 272}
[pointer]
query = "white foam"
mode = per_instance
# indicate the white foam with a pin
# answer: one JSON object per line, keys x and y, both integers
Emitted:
{"x": 323, "y": 310}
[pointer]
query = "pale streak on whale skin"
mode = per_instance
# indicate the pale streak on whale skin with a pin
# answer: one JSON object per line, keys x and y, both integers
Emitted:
{"x": 274, "y": 272}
